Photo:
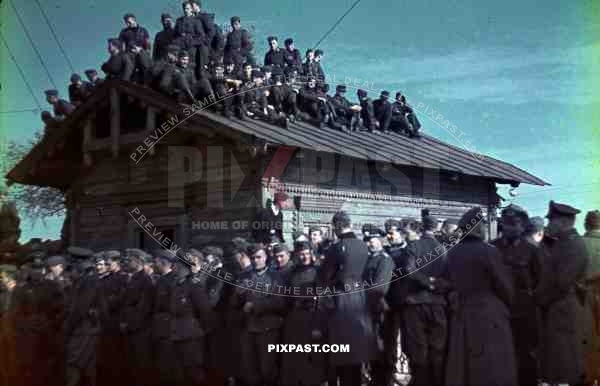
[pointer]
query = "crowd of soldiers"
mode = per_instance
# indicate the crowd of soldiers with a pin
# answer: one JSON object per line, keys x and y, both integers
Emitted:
{"x": 193, "y": 61}
{"x": 467, "y": 312}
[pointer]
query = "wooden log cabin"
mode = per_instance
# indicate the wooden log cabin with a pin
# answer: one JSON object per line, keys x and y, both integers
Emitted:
{"x": 199, "y": 177}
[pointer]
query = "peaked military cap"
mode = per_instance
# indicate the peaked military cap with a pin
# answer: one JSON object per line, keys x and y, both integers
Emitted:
{"x": 288, "y": 41}
{"x": 385, "y": 93}
{"x": 98, "y": 257}
{"x": 165, "y": 16}
{"x": 369, "y": 231}
{"x": 592, "y": 219}
{"x": 271, "y": 38}
{"x": 318, "y": 52}
{"x": 112, "y": 254}
{"x": 194, "y": 252}
{"x": 398, "y": 94}
{"x": 55, "y": 260}
{"x": 183, "y": 54}
{"x": 128, "y": 15}
{"x": 165, "y": 254}
{"x": 135, "y": 252}
{"x": 361, "y": 93}
{"x": 340, "y": 88}
{"x": 51, "y": 93}
{"x": 557, "y": 210}
{"x": 91, "y": 72}
{"x": 279, "y": 248}
{"x": 79, "y": 252}
{"x": 472, "y": 217}
{"x": 75, "y": 78}
{"x": 234, "y": 19}
{"x": 514, "y": 211}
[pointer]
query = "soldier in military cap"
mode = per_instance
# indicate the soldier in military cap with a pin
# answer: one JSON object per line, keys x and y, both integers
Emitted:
{"x": 111, "y": 288}
{"x": 349, "y": 322}
{"x": 283, "y": 264}
{"x": 119, "y": 65}
{"x": 192, "y": 319}
{"x": 62, "y": 108}
{"x": 238, "y": 47}
{"x": 304, "y": 324}
{"x": 263, "y": 310}
{"x": 320, "y": 72}
{"x": 183, "y": 80}
{"x": 560, "y": 296}
{"x": 534, "y": 233}
{"x": 164, "y": 355}
{"x": 134, "y": 315}
{"x": 39, "y": 312}
{"x": 382, "y": 109}
{"x": 448, "y": 235}
{"x": 56, "y": 266}
{"x": 78, "y": 90}
{"x": 312, "y": 103}
{"x": 270, "y": 218}
{"x": 377, "y": 277}
{"x": 134, "y": 33}
{"x": 164, "y": 38}
{"x": 367, "y": 113}
{"x": 523, "y": 261}
{"x": 344, "y": 113}
{"x": 479, "y": 310}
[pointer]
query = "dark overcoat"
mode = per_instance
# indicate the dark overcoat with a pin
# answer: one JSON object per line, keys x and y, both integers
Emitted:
{"x": 563, "y": 312}
{"x": 481, "y": 350}
{"x": 349, "y": 319}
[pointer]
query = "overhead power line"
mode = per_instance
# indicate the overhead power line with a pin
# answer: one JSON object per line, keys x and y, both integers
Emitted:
{"x": 60, "y": 46}
{"x": 32, "y": 43}
{"x": 337, "y": 23}
{"x": 10, "y": 53}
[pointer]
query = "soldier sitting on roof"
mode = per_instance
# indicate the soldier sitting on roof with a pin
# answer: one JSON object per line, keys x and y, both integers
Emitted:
{"x": 142, "y": 62}
{"x": 93, "y": 79}
{"x": 312, "y": 103}
{"x": 255, "y": 101}
{"x": 78, "y": 90}
{"x": 62, "y": 108}
{"x": 283, "y": 97}
{"x": 119, "y": 65}
{"x": 345, "y": 114}
{"x": 403, "y": 118}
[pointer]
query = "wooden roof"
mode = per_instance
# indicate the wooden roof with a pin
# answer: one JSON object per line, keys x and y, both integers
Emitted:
{"x": 424, "y": 152}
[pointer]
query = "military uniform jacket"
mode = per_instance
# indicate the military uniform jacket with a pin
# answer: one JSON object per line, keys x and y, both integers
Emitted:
{"x": 238, "y": 45}
{"x": 275, "y": 58}
{"x": 161, "y": 316}
{"x": 189, "y": 309}
{"x": 367, "y": 113}
{"x": 78, "y": 94}
{"x": 82, "y": 316}
{"x": 119, "y": 66}
{"x": 310, "y": 69}
{"x": 190, "y": 32}
{"x": 563, "y": 313}
{"x": 523, "y": 261}
{"x": 340, "y": 104}
{"x": 480, "y": 349}
{"x": 265, "y": 221}
{"x": 110, "y": 299}
{"x": 349, "y": 319}
{"x": 162, "y": 40}
{"x": 383, "y": 113}
{"x": 292, "y": 58}
{"x": 137, "y": 302}
{"x": 138, "y": 35}
{"x": 377, "y": 277}
{"x": 268, "y": 310}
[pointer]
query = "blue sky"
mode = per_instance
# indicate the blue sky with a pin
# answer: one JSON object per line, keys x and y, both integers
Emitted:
{"x": 513, "y": 76}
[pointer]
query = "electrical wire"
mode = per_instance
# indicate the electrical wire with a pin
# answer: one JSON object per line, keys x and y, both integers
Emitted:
{"x": 62, "y": 50}
{"x": 336, "y": 23}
